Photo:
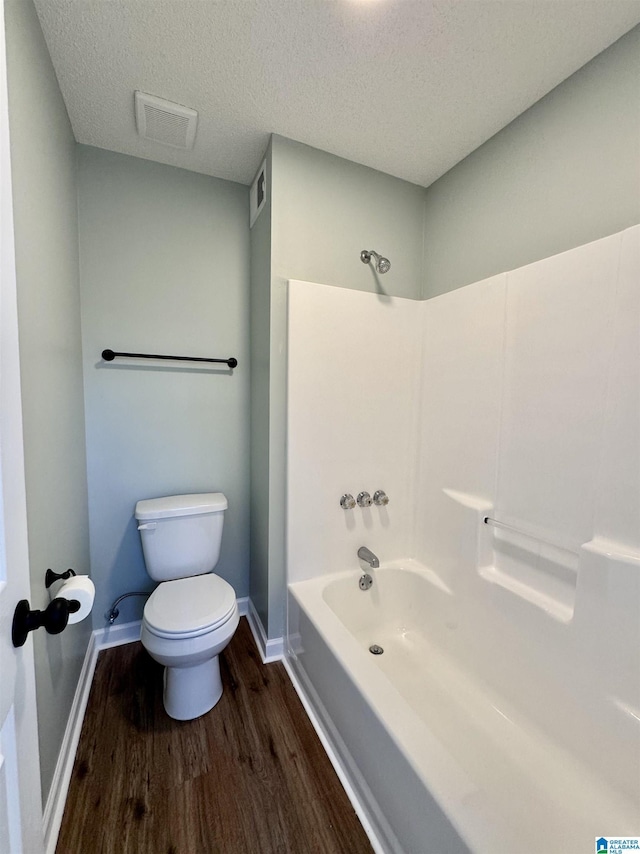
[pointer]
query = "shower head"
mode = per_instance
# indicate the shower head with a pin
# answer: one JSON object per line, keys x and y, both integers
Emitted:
{"x": 383, "y": 265}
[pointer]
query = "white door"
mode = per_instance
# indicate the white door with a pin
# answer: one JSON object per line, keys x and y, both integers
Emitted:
{"x": 20, "y": 799}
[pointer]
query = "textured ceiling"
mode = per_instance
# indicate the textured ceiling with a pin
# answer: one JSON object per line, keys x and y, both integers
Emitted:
{"x": 409, "y": 87}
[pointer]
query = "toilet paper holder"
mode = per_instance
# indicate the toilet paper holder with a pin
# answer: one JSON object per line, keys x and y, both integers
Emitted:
{"x": 51, "y": 576}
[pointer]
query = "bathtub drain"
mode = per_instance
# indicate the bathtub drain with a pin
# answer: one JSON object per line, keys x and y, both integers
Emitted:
{"x": 375, "y": 649}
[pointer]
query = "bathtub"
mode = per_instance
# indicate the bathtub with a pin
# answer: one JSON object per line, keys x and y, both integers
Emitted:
{"x": 440, "y": 757}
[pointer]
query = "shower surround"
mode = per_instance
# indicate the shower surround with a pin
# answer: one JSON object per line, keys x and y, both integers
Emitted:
{"x": 510, "y": 680}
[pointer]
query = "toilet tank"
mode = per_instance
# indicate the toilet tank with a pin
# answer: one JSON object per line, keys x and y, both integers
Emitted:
{"x": 181, "y": 534}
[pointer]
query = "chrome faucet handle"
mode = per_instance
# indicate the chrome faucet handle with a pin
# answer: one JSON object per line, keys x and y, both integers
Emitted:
{"x": 380, "y": 498}
{"x": 347, "y": 502}
{"x": 364, "y": 499}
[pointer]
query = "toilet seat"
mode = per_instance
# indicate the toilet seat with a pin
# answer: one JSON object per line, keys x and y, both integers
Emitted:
{"x": 189, "y": 607}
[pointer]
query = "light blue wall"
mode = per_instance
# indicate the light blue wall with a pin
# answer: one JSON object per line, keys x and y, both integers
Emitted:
{"x": 324, "y": 211}
{"x": 260, "y": 385}
{"x": 164, "y": 260}
{"x": 46, "y": 238}
{"x": 564, "y": 173}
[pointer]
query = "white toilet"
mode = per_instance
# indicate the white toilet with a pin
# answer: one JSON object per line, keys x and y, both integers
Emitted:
{"x": 192, "y": 614}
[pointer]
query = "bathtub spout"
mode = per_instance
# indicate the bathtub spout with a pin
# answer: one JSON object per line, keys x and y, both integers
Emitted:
{"x": 368, "y": 556}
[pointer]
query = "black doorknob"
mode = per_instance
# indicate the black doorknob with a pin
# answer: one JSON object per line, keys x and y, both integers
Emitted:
{"x": 54, "y": 618}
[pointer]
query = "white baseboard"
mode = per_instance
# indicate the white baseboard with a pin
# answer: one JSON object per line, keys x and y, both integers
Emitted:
{"x": 270, "y": 649}
{"x": 54, "y": 808}
{"x": 118, "y": 635}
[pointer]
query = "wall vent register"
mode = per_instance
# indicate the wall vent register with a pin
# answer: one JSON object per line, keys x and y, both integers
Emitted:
{"x": 258, "y": 193}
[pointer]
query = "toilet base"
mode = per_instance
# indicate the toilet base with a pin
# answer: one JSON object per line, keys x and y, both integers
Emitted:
{"x": 192, "y": 691}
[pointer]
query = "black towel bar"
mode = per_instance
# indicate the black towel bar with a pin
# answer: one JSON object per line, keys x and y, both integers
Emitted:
{"x": 110, "y": 355}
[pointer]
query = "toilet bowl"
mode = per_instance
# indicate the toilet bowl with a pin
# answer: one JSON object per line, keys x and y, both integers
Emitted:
{"x": 185, "y": 626}
{"x": 192, "y": 615}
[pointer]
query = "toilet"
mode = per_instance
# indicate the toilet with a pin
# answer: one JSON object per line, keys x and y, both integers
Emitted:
{"x": 192, "y": 614}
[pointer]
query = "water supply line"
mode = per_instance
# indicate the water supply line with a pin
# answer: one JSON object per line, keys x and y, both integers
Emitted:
{"x": 112, "y": 615}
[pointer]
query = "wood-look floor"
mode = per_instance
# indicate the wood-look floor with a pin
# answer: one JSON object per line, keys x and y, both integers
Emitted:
{"x": 250, "y": 776}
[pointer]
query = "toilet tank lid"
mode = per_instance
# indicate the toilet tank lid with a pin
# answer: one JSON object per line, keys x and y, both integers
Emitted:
{"x": 180, "y": 505}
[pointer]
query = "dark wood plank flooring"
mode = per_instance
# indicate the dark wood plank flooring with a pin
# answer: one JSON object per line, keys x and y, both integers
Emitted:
{"x": 250, "y": 776}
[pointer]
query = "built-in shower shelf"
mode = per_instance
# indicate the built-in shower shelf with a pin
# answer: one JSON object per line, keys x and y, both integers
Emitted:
{"x": 551, "y": 606}
{"x": 540, "y": 568}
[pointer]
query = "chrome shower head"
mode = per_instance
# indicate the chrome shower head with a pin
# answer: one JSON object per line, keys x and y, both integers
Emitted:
{"x": 383, "y": 265}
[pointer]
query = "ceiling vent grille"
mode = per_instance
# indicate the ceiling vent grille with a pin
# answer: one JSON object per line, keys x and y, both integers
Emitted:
{"x": 166, "y": 122}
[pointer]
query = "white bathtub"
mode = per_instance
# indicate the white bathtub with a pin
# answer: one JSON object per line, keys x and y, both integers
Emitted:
{"x": 441, "y": 759}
